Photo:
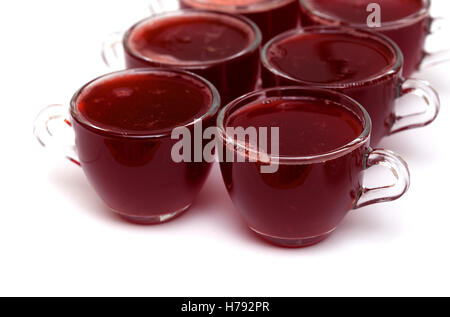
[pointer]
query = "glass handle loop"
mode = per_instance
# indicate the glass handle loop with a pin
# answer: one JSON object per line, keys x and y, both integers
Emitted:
{"x": 397, "y": 166}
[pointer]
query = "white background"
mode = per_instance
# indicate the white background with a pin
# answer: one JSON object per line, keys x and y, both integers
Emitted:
{"x": 58, "y": 238}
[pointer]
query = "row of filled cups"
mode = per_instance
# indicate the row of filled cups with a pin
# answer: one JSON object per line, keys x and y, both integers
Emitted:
{"x": 292, "y": 155}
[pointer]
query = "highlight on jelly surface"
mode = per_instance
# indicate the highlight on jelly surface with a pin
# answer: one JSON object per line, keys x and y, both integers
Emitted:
{"x": 406, "y": 22}
{"x": 191, "y": 39}
{"x": 122, "y": 123}
{"x": 330, "y": 58}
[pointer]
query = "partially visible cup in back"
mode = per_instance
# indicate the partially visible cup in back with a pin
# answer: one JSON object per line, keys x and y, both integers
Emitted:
{"x": 220, "y": 47}
{"x": 407, "y": 22}
{"x": 323, "y": 150}
{"x": 123, "y": 123}
{"x": 363, "y": 65}
{"x": 272, "y": 16}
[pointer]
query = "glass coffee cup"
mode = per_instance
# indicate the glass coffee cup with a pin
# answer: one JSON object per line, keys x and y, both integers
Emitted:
{"x": 323, "y": 150}
{"x": 407, "y": 22}
{"x": 363, "y": 65}
{"x": 221, "y": 47}
{"x": 123, "y": 125}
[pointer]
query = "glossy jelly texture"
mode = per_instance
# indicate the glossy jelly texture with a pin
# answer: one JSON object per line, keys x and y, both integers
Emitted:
{"x": 349, "y": 64}
{"x": 408, "y": 35}
{"x": 220, "y": 48}
{"x": 306, "y": 127}
{"x": 299, "y": 201}
{"x": 330, "y": 58}
{"x": 123, "y": 126}
{"x": 144, "y": 103}
{"x": 189, "y": 40}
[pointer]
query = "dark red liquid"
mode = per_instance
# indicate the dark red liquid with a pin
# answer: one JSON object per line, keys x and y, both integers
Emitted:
{"x": 122, "y": 126}
{"x": 330, "y": 58}
{"x": 218, "y": 47}
{"x": 202, "y": 40}
{"x": 144, "y": 103}
{"x": 333, "y": 60}
{"x": 299, "y": 200}
{"x": 409, "y": 36}
{"x": 306, "y": 127}
{"x": 272, "y": 17}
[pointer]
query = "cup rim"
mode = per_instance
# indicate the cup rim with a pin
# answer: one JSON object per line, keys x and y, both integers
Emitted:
{"x": 395, "y": 68}
{"x": 303, "y": 159}
{"x": 240, "y": 9}
{"x": 385, "y": 25}
{"x": 256, "y": 43}
{"x": 212, "y": 111}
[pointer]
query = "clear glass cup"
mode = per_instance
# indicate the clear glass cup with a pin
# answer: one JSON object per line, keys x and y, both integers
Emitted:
{"x": 308, "y": 196}
{"x": 377, "y": 94}
{"x": 232, "y": 75}
{"x": 272, "y": 16}
{"x": 409, "y": 33}
{"x": 132, "y": 171}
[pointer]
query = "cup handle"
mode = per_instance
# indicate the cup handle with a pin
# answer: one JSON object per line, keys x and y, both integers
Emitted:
{"x": 50, "y": 123}
{"x": 423, "y": 90}
{"x": 397, "y": 166}
{"x": 157, "y": 6}
{"x": 437, "y": 26}
{"x": 112, "y": 51}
